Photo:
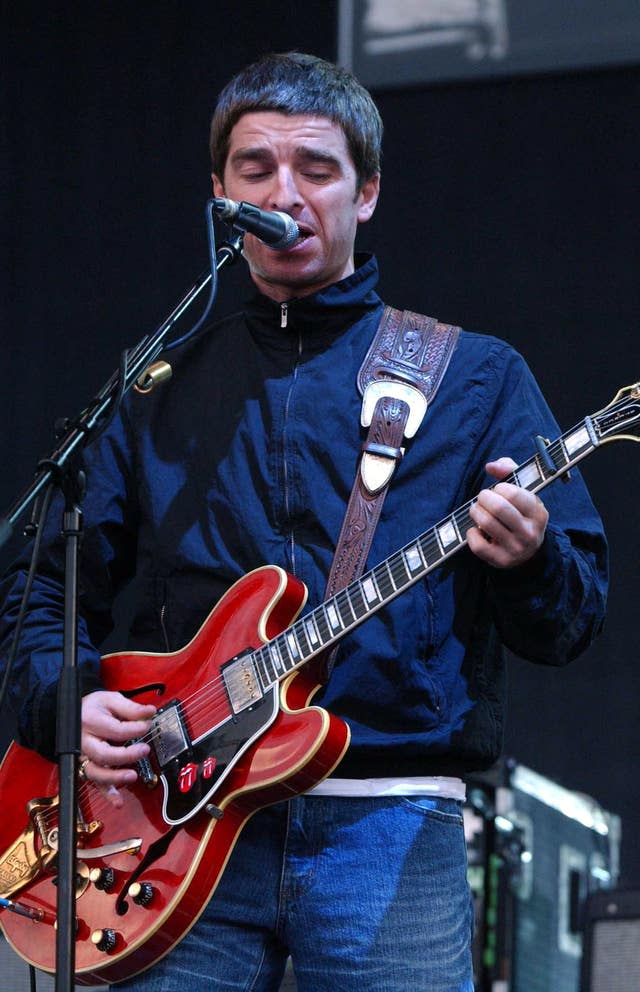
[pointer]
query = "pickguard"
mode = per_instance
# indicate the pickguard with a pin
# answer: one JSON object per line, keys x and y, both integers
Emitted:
{"x": 190, "y": 778}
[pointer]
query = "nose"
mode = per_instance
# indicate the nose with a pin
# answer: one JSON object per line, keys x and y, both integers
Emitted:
{"x": 284, "y": 193}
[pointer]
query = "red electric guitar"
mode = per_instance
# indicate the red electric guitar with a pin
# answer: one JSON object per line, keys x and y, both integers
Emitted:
{"x": 234, "y": 732}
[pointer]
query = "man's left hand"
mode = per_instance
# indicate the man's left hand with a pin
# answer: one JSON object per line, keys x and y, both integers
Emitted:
{"x": 510, "y": 521}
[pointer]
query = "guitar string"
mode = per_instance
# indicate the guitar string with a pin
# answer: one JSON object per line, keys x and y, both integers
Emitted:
{"x": 214, "y": 693}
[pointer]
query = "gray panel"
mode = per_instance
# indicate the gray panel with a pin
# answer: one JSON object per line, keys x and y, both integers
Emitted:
{"x": 400, "y": 42}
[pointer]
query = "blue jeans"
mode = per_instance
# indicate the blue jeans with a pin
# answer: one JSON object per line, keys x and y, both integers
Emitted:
{"x": 367, "y": 895}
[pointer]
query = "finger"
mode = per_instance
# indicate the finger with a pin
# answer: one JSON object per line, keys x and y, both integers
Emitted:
{"x": 495, "y": 515}
{"x": 119, "y": 731}
{"x": 107, "y": 775}
{"x": 526, "y": 503}
{"x": 514, "y": 508}
{"x": 114, "y": 703}
{"x": 501, "y": 468}
{"x": 484, "y": 547}
{"x": 112, "y": 716}
{"x": 106, "y": 754}
{"x": 128, "y": 709}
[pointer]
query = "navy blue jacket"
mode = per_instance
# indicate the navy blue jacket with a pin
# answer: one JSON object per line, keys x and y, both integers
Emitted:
{"x": 247, "y": 456}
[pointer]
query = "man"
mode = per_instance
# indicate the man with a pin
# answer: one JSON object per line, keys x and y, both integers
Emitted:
{"x": 248, "y": 457}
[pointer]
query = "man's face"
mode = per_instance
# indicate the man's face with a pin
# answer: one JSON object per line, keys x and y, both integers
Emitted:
{"x": 299, "y": 165}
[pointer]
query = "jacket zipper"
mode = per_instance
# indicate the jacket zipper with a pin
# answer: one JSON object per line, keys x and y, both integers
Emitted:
{"x": 284, "y": 308}
{"x": 163, "y": 626}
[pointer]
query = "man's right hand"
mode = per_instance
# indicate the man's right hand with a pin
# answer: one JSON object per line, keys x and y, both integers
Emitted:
{"x": 109, "y": 722}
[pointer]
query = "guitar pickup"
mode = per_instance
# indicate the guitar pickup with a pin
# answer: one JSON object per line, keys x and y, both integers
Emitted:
{"x": 241, "y": 682}
{"x": 169, "y": 733}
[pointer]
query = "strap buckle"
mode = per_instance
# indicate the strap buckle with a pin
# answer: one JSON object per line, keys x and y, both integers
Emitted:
{"x": 414, "y": 398}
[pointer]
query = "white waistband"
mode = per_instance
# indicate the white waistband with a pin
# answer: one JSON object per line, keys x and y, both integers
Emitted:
{"x": 439, "y": 785}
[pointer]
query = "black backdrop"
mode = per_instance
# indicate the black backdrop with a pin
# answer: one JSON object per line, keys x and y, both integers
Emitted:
{"x": 510, "y": 206}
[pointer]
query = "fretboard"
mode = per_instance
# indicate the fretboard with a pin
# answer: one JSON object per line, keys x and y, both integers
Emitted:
{"x": 327, "y": 623}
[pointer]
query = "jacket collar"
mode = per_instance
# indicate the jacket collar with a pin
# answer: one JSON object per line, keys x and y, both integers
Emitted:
{"x": 321, "y": 315}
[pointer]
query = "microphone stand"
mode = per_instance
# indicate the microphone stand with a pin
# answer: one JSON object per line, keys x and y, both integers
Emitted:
{"x": 61, "y": 469}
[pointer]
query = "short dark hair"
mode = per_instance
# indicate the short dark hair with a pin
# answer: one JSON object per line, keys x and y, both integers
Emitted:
{"x": 296, "y": 83}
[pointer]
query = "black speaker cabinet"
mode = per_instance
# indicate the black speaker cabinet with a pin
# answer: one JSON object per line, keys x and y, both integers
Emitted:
{"x": 611, "y": 959}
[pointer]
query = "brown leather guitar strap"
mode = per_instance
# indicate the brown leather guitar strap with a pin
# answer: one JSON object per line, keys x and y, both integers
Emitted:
{"x": 399, "y": 377}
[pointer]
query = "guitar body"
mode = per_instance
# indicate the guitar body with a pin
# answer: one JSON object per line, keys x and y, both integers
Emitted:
{"x": 192, "y": 808}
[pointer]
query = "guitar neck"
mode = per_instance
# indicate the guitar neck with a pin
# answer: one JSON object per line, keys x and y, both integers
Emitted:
{"x": 327, "y": 623}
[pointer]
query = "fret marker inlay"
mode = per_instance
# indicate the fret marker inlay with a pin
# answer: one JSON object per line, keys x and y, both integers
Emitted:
{"x": 448, "y": 534}
{"x": 333, "y": 616}
{"x": 369, "y": 589}
{"x": 579, "y": 439}
{"x": 528, "y": 475}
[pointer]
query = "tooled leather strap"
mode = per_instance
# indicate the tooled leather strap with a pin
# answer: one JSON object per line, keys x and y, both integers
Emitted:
{"x": 399, "y": 377}
{"x": 383, "y": 441}
{"x": 410, "y": 347}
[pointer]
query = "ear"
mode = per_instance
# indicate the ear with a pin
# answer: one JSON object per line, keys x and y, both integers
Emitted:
{"x": 218, "y": 188}
{"x": 368, "y": 197}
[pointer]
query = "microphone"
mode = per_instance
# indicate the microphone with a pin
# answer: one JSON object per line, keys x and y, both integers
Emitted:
{"x": 275, "y": 229}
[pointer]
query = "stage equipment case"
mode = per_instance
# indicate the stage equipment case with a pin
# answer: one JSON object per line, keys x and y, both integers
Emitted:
{"x": 537, "y": 852}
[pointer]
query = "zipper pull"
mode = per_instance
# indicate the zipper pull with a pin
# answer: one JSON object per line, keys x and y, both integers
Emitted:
{"x": 284, "y": 313}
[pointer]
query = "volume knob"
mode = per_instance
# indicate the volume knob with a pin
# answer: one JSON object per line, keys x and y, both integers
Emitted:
{"x": 141, "y": 893}
{"x": 102, "y": 878}
{"x": 104, "y": 940}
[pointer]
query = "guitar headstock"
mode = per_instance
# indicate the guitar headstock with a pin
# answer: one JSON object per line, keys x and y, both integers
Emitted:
{"x": 621, "y": 418}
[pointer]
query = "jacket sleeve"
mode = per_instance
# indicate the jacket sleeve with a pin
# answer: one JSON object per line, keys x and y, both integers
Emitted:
{"x": 552, "y": 607}
{"x": 107, "y": 556}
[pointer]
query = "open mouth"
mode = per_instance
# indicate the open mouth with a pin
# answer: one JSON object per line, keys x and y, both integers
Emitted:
{"x": 304, "y": 235}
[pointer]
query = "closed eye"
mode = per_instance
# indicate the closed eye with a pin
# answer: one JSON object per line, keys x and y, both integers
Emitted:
{"x": 317, "y": 177}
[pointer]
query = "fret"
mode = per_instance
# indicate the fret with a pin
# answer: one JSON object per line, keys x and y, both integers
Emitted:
{"x": 447, "y": 535}
{"x": 303, "y": 641}
{"x": 260, "y": 658}
{"x": 562, "y": 456}
{"x": 431, "y": 550}
{"x": 322, "y": 625}
{"x": 399, "y": 571}
{"x": 274, "y": 658}
{"x": 280, "y": 644}
{"x": 333, "y": 617}
{"x": 347, "y": 598}
{"x": 292, "y": 644}
{"x": 383, "y": 581}
{"x": 311, "y": 631}
{"x": 268, "y": 673}
{"x": 288, "y": 660}
{"x": 454, "y": 524}
{"x": 528, "y": 476}
{"x": 358, "y": 601}
{"x": 578, "y": 441}
{"x": 463, "y": 521}
{"x": 370, "y": 590}
{"x": 414, "y": 557}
